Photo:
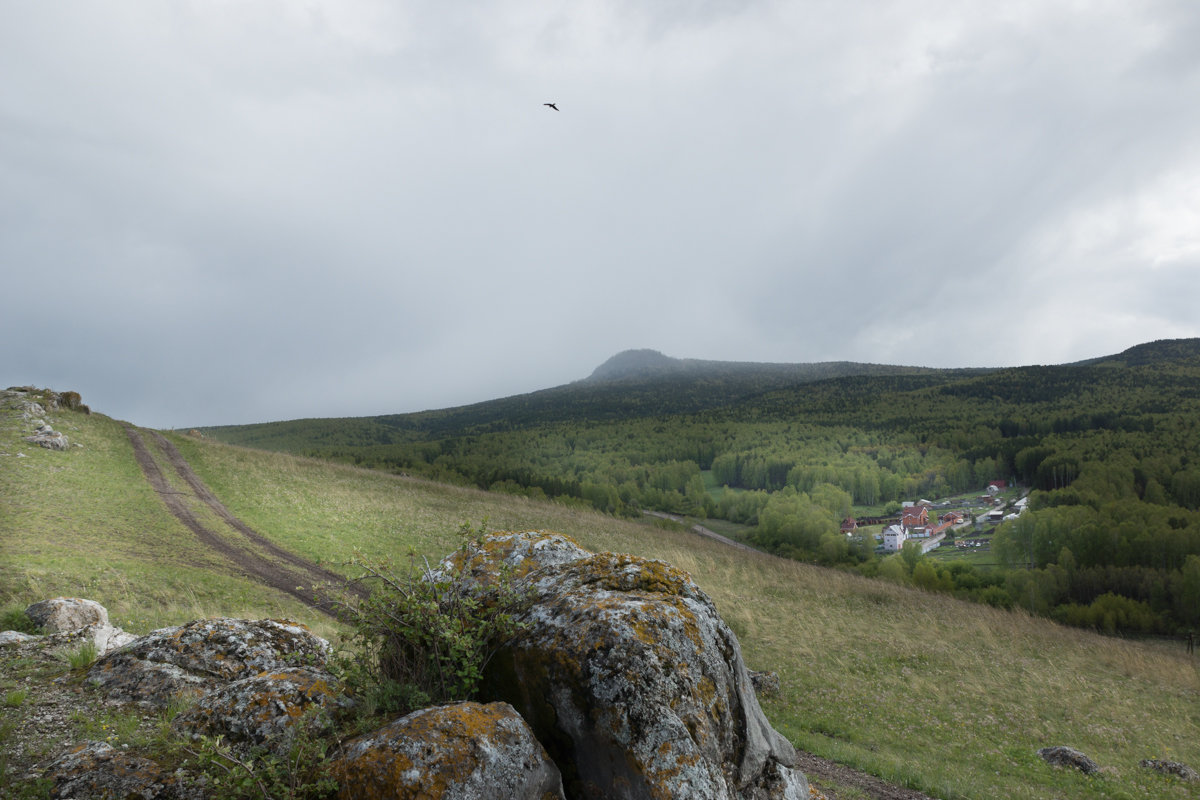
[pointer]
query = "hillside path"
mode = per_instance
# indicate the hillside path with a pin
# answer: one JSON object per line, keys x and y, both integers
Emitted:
{"x": 248, "y": 551}
{"x": 701, "y": 530}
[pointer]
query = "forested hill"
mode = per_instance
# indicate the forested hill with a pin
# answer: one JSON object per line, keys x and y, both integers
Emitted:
{"x": 631, "y": 385}
{"x": 1179, "y": 352}
{"x": 1108, "y": 447}
{"x": 651, "y": 369}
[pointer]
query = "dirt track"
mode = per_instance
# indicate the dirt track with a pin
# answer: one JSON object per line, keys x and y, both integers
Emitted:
{"x": 248, "y": 552}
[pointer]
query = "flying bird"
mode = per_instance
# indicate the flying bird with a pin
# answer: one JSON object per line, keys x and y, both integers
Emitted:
{"x": 551, "y": 105}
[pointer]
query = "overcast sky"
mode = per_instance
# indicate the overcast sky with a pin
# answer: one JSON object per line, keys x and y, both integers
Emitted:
{"x": 228, "y": 212}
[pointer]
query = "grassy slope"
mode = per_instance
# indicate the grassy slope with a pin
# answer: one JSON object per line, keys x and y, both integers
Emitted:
{"x": 86, "y": 523}
{"x": 948, "y": 697}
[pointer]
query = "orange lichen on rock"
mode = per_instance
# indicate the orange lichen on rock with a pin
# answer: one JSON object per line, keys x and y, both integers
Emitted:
{"x": 637, "y": 688}
{"x": 264, "y": 709}
{"x": 464, "y": 750}
{"x": 194, "y": 658}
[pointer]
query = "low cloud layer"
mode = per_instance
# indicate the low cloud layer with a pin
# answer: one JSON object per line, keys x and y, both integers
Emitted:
{"x": 224, "y": 212}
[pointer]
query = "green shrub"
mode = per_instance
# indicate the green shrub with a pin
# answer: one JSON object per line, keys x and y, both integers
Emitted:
{"x": 70, "y": 400}
{"x": 17, "y": 620}
{"x": 424, "y": 636}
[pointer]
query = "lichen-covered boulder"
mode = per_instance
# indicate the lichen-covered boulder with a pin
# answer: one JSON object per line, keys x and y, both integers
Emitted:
{"x": 464, "y": 751}
{"x": 265, "y": 710}
{"x": 66, "y": 614}
{"x": 97, "y": 769}
{"x": 1060, "y": 756}
{"x": 633, "y": 683}
{"x": 194, "y": 658}
{"x": 516, "y": 553}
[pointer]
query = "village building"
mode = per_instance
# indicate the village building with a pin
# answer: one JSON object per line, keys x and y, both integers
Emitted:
{"x": 894, "y": 538}
{"x": 914, "y": 517}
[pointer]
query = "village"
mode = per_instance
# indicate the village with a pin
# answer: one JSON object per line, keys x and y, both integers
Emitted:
{"x": 966, "y": 522}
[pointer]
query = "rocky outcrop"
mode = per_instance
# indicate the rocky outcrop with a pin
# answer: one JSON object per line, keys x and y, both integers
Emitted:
{"x": 630, "y": 678}
{"x": 464, "y": 751}
{"x": 47, "y": 437}
{"x": 1068, "y": 757}
{"x": 193, "y": 659}
{"x": 625, "y": 683}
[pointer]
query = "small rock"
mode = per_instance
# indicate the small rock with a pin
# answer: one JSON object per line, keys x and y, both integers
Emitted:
{"x": 1068, "y": 757}
{"x": 51, "y": 441}
{"x": 61, "y": 614}
{"x": 1175, "y": 768}
{"x": 766, "y": 684}
{"x": 12, "y": 637}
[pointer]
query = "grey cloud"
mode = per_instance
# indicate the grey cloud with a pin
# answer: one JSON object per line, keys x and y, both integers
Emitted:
{"x": 271, "y": 211}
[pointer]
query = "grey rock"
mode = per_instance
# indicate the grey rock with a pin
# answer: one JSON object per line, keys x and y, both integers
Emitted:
{"x": 267, "y": 710}
{"x": 1182, "y": 771}
{"x": 632, "y": 681}
{"x": 193, "y": 659}
{"x": 1059, "y": 756}
{"x": 464, "y": 751}
{"x": 766, "y": 684}
{"x": 15, "y": 637}
{"x": 67, "y": 614}
{"x": 97, "y": 769}
{"x": 71, "y": 621}
{"x": 51, "y": 441}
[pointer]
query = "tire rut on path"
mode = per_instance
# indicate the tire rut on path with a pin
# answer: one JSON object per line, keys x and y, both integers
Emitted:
{"x": 244, "y": 558}
{"x": 204, "y": 494}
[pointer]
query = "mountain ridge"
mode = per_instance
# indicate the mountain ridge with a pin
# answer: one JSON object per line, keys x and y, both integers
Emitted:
{"x": 639, "y": 383}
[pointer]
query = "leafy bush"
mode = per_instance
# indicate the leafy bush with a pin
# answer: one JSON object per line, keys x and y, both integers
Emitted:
{"x": 425, "y": 635}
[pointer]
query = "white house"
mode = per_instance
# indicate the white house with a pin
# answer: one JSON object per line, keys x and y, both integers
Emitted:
{"x": 894, "y": 538}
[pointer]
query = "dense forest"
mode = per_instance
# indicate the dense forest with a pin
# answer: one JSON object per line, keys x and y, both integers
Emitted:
{"x": 1109, "y": 449}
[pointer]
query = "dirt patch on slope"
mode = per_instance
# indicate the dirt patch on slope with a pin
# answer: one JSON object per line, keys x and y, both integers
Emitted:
{"x": 838, "y": 781}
